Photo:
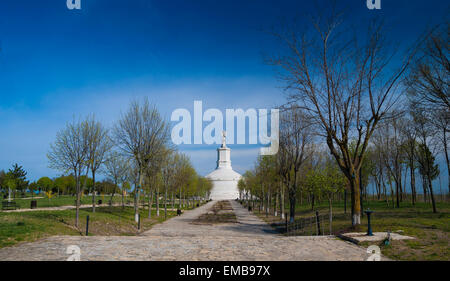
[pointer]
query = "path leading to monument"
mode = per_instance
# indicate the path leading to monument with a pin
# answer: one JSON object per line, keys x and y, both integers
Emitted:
{"x": 180, "y": 239}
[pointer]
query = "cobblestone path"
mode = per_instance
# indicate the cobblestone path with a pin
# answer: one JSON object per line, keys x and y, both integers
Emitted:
{"x": 179, "y": 239}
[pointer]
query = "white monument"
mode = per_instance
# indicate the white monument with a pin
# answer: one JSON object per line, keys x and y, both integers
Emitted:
{"x": 225, "y": 180}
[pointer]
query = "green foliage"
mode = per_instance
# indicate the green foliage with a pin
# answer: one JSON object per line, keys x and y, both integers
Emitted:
{"x": 325, "y": 178}
{"x": 45, "y": 183}
{"x": 33, "y": 187}
{"x": 65, "y": 184}
{"x": 16, "y": 178}
{"x": 426, "y": 160}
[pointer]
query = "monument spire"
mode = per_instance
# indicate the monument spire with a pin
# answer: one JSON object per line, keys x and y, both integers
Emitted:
{"x": 224, "y": 139}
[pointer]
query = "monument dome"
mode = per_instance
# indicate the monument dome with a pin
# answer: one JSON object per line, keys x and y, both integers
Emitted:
{"x": 224, "y": 179}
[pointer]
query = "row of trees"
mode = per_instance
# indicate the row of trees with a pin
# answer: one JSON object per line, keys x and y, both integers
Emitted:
{"x": 269, "y": 189}
{"x": 14, "y": 180}
{"x": 135, "y": 151}
{"x": 346, "y": 92}
{"x": 303, "y": 169}
{"x": 408, "y": 145}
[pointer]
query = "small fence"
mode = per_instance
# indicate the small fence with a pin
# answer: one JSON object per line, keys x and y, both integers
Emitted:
{"x": 311, "y": 226}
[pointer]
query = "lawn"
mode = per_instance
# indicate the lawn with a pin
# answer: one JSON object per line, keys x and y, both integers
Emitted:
{"x": 16, "y": 227}
{"x": 64, "y": 200}
{"x": 68, "y": 200}
{"x": 431, "y": 230}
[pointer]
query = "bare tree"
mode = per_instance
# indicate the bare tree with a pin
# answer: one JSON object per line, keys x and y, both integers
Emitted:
{"x": 345, "y": 85}
{"x": 424, "y": 154}
{"x": 168, "y": 172}
{"x": 151, "y": 171}
{"x": 116, "y": 167}
{"x": 428, "y": 84}
{"x": 98, "y": 143}
{"x": 409, "y": 146}
{"x": 393, "y": 152}
{"x": 184, "y": 172}
{"x": 381, "y": 172}
{"x": 429, "y": 81}
{"x": 69, "y": 153}
{"x": 441, "y": 122}
{"x": 140, "y": 133}
{"x": 296, "y": 140}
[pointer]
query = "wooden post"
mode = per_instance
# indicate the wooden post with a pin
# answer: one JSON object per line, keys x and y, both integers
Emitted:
{"x": 287, "y": 230}
{"x": 331, "y": 222}
{"x": 318, "y": 223}
{"x": 87, "y": 225}
{"x": 139, "y": 221}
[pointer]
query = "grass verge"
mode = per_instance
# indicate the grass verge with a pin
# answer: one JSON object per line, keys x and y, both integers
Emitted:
{"x": 432, "y": 231}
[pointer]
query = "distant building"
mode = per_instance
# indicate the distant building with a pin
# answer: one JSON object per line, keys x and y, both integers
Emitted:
{"x": 224, "y": 179}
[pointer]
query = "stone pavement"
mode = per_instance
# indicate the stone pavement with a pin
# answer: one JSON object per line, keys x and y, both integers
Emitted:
{"x": 358, "y": 237}
{"x": 179, "y": 239}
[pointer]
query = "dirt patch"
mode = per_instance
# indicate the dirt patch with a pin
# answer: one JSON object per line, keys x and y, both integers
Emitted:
{"x": 221, "y": 212}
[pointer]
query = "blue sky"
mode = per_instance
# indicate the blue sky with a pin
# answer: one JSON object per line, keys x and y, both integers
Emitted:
{"x": 56, "y": 64}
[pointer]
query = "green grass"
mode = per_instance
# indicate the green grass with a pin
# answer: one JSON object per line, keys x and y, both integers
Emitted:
{"x": 64, "y": 200}
{"x": 431, "y": 230}
{"x": 68, "y": 200}
{"x": 16, "y": 227}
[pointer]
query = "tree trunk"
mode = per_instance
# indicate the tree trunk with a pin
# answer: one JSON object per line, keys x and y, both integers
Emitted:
{"x": 253, "y": 202}
{"x": 77, "y": 207}
{"x": 430, "y": 187}
{"x": 355, "y": 200}
{"x": 378, "y": 186}
{"x": 113, "y": 193}
{"x": 93, "y": 191}
{"x": 275, "y": 206}
{"x": 179, "y": 202}
{"x": 282, "y": 202}
{"x": 361, "y": 190}
{"x": 447, "y": 160}
{"x": 136, "y": 195}
{"x": 424, "y": 186}
{"x": 150, "y": 203}
{"x": 123, "y": 197}
{"x": 157, "y": 201}
{"x": 292, "y": 201}
{"x": 330, "y": 204}
{"x": 413, "y": 183}
{"x": 165, "y": 202}
{"x": 392, "y": 194}
{"x": 173, "y": 201}
{"x": 397, "y": 190}
{"x": 291, "y": 209}
{"x": 345, "y": 201}
{"x": 261, "y": 201}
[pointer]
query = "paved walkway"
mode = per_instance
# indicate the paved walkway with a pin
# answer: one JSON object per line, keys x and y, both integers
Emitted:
{"x": 180, "y": 239}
